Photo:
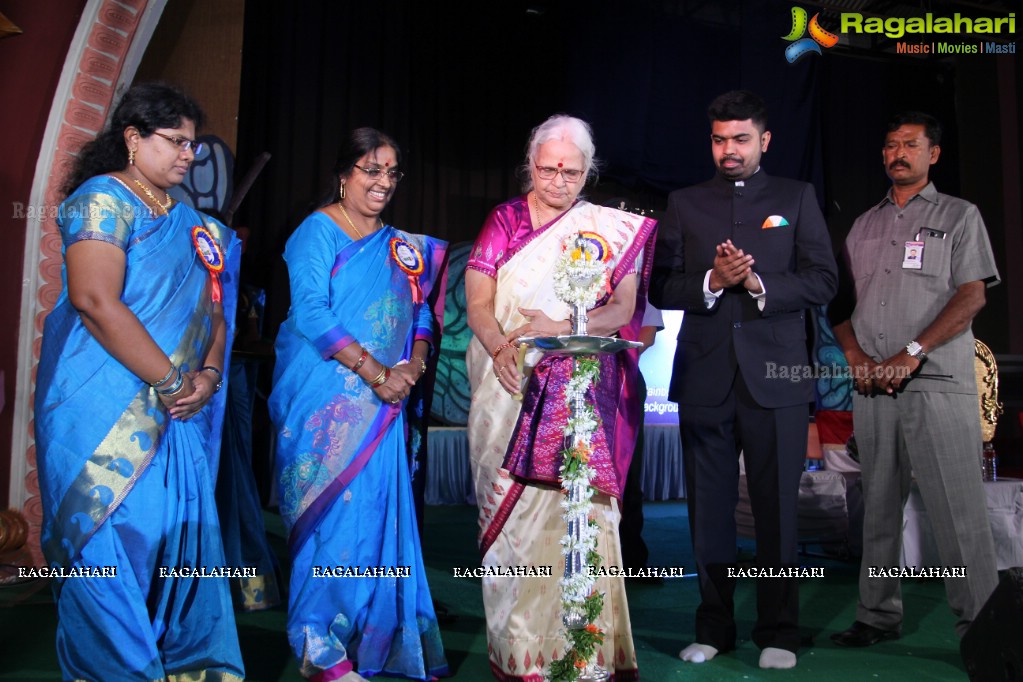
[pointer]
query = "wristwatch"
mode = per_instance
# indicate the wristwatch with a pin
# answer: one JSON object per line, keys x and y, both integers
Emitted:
{"x": 915, "y": 350}
{"x": 220, "y": 376}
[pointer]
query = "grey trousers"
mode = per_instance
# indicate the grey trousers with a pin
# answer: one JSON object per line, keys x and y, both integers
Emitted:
{"x": 934, "y": 438}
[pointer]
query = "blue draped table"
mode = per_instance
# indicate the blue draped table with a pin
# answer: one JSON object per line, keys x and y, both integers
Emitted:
{"x": 449, "y": 479}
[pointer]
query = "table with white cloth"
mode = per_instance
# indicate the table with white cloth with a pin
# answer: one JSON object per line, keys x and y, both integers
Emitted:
{"x": 829, "y": 508}
{"x": 1004, "y": 510}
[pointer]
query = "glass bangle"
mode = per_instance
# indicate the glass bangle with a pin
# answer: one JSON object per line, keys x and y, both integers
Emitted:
{"x": 166, "y": 377}
{"x": 173, "y": 388}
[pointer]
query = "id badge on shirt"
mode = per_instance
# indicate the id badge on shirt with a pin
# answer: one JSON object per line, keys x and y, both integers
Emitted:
{"x": 914, "y": 256}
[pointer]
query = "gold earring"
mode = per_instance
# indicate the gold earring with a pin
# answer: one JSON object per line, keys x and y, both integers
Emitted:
{"x": 131, "y": 157}
{"x": 342, "y": 191}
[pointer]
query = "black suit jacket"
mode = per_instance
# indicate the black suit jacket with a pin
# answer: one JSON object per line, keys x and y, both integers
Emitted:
{"x": 795, "y": 261}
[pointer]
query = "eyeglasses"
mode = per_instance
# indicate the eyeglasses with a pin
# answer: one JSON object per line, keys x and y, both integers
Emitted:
{"x": 374, "y": 173}
{"x": 182, "y": 143}
{"x": 548, "y": 173}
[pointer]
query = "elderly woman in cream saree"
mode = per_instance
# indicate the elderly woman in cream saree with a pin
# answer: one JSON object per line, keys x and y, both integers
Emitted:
{"x": 510, "y": 293}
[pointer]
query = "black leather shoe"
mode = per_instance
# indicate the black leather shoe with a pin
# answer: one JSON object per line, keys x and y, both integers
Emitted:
{"x": 861, "y": 634}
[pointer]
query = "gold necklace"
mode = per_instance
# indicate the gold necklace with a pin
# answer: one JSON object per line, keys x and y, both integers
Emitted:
{"x": 149, "y": 193}
{"x": 345, "y": 214}
{"x": 536, "y": 207}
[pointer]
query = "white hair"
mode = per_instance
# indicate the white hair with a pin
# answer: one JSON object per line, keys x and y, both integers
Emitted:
{"x": 567, "y": 129}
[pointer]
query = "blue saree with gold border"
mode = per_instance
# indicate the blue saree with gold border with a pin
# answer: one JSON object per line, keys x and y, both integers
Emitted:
{"x": 122, "y": 485}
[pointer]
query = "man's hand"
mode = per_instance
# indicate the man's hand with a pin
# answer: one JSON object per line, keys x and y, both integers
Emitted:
{"x": 891, "y": 374}
{"x": 864, "y": 371}
{"x": 731, "y": 266}
{"x": 751, "y": 283}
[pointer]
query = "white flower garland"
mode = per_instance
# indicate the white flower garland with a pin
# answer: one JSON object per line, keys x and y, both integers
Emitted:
{"x": 580, "y": 275}
{"x": 580, "y": 278}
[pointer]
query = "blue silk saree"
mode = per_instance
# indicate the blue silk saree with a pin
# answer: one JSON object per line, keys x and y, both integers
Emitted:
{"x": 342, "y": 467}
{"x": 123, "y": 485}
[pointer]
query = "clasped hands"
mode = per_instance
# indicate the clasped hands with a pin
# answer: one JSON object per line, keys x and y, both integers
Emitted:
{"x": 871, "y": 377}
{"x": 733, "y": 266}
{"x": 197, "y": 388}
{"x": 404, "y": 376}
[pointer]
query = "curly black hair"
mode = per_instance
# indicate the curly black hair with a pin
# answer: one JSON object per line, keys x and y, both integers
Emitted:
{"x": 146, "y": 106}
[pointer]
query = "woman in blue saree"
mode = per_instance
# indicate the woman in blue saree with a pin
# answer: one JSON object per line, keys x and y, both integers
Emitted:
{"x": 355, "y": 343}
{"x": 129, "y": 407}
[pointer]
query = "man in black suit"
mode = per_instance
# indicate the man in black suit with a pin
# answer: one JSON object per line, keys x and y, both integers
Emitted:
{"x": 744, "y": 255}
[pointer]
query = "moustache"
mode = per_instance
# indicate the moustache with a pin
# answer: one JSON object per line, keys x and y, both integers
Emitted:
{"x": 737, "y": 159}
{"x": 898, "y": 162}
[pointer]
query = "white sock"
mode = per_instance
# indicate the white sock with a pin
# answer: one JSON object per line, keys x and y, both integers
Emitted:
{"x": 698, "y": 653}
{"x": 781, "y": 659}
{"x": 352, "y": 676}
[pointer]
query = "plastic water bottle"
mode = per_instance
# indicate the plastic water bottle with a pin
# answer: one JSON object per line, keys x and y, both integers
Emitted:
{"x": 989, "y": 462}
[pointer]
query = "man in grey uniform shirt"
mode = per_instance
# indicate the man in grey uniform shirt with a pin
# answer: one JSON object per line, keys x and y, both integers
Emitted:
{"x": 918, "y": 264}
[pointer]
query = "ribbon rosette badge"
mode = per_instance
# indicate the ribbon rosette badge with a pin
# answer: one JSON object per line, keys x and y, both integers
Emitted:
{"x": 596, "y": 246}
{"x": 212, "y": 258}
{"x": 581, "y": 273}
{"x": 801, "y": 46}
{"x": 408, "y": 258}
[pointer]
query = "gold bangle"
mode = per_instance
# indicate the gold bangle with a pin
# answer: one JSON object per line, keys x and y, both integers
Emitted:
{"x": 381, "y": 378}
{"x": 422, "y": 366}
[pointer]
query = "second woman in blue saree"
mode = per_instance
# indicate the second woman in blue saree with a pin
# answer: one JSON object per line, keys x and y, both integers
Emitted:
{"x": 355, "y": 343}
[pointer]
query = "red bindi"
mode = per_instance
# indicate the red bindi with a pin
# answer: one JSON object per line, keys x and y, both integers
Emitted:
{"x": 560, "y": 165}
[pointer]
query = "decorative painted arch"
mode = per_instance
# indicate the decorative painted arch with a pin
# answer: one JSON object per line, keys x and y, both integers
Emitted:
{"x": 104, "y": 54}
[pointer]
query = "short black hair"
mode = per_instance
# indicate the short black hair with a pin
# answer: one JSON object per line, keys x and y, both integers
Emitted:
{"x": 739, "y": 105}
{"x": 932, "y": 128}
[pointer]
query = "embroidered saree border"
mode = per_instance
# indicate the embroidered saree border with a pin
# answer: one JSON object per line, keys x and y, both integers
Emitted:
{"x": 122, "y": 456}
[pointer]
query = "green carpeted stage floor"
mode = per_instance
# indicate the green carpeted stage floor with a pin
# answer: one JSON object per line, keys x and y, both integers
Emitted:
{"x": 662, "y": 618}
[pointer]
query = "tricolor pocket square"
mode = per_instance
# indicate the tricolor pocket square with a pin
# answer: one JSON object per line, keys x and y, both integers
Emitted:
{"x": 774, "y": 221}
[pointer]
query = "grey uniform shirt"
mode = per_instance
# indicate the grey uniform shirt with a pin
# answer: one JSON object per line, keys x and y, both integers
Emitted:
{"x": 895, "y": 304}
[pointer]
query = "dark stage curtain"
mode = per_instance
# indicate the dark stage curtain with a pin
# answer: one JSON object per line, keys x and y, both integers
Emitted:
{"x": 461, "y": 86}
{"x": 859, "y": 95}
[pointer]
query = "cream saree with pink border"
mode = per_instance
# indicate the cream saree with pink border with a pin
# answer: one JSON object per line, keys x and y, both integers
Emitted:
{"x": 520, "y": 524}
